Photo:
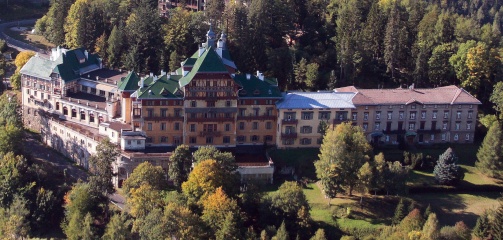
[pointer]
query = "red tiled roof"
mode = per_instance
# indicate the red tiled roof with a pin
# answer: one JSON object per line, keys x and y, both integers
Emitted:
{"x": 441, "y": 95}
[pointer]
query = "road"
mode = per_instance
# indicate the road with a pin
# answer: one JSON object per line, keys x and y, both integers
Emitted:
{"x": 21, "y": 46}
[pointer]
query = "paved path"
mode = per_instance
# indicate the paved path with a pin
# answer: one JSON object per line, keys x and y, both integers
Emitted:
{"x": 118, "y": 200}
{"x": 40, "y": 152}
{"x": 21, "y": 46}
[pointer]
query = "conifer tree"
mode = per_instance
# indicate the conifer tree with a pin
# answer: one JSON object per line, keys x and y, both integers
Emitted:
{"x": 399, "y": 212}
{"x": 447, "y": 172}
{"x": 427, "y": 211}
{"x": 282, "y": 233}
{"x": 482, "y": 227}
{"x": 430, "y": 228}
{"x": 497, "y": 222}
{"x": 490, "y": 154}
{"x": 319, "y": 235}
{"x": 263, "y": 235}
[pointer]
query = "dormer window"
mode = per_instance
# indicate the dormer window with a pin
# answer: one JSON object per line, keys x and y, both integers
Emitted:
{"x": 242, "y": 92}
{"x": 256, "y": 92}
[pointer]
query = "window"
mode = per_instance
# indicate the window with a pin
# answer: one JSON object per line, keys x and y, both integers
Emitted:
{"x": 305, "y": 141}
{"x": 210, "y": 104}
{"x": 227, "y": 140}
{"x": 365, "y": 116}
{"x": 412, "y": 126}
{"x": 288, "y": 141}
{"x": 138, "y": 142}
{"x": 307, "y": 115}
{"x": 387, "y": 138}
{"x": 390, "y": 115}
{"x": 468, "y": 125}
{"x": 413, "y": 106}
{"x": 228, "y": 104}
{"x": 412, "y": 115}
{"x": 178, "y": 112}
{"x": 241, "y": 139}
{"x": 193, "y": 104}
{"x": 128, "y": 142}
{"x": 148, "y": 140}
{"x": 355, "y": 115}
{"x": 434, "y": 116}
{"x": 254, "y": 138}
{"x": 289, "y": 116}
{"x": 444, "y": 125}
{"x": 227, "y": 127}
{"x": 268, "y": 125}
{"x": 28, "y": 91}
{"x": 192, "y": 127}
{"x": 446, "y": 114}
{"x": 149, "y": 126}
{"x": 365, "y": 126}
{"x": 192, "y": 140}
{"x": 366, "y": 107}
{"x": 456, "y": 137}
{"x": 209, "y": 140}
{"x": 255, "y": 125}
{"x": 306, "y": 129}
{"x": 41, "y": 95}
{"x": 150, "y": 112}
{"x": 324, "y": 115}
{"x": 423, "y": 114}
{"x": 164, "y": 112}
{"x": 378, "y": 115}
{"x": 102, "y": 93}
{"x": 432, "y": 137}
{"x": 377, "y": 126}
{"x": 48, "y": 97}
{"x": 319, "y": 141}
{"x": 458, "y": 125}
{"x": 177, "y": 140}
{"x": 268, "y": 138}
{"x": 470, "y": 114}
{"x": 467, "y": 137}
{"x": 177, "y": 126}
{"x": 241, "y": 126}
{"x": 400, "y": 115}
{"x": 242, "y": 112}
{"x": 164, "y": 139}
{"x": 458, "y": 114}
{"x": 163, "y": 126}
{"x": 443, "y": 136}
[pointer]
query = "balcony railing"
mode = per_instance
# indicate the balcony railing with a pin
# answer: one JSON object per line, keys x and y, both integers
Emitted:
{"x": 339, "y": 121}
{"x": 217, "y": 119}
{"x": 158, "y": 117}
{"x": 250, "y": 117}
{"x": 289, "y": 121}
{"x": 288, "y": 135}
{"x": 210, "y": 134}
{"x": 394, "y": 131}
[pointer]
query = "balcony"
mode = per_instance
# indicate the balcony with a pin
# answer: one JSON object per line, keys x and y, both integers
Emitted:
{"x": 210, "y": 134}
{"x": 339, "y": 120}
{"x": 217, "y": 119}
{"x": 251, "y": 117}
{"x": 288, "y": 135}
{"x": 394, "y": 131}
{"x": 158, "y": 117}
{"x": 428, "y": 131}
{"x": 290, "y": 121}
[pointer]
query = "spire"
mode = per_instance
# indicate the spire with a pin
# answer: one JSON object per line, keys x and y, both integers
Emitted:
{"x": 222, "y": 41}
{"x": 210, "y": 37}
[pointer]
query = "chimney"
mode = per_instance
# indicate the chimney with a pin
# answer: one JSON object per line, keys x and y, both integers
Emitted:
{"x": 141, "y": 82}
{"x": 201, "y": 51}
{"x": 260, "y": 75}
{"x": 248, "y": 76}
{"x": 86, "y": 54}
{"x": 151, "y": 74}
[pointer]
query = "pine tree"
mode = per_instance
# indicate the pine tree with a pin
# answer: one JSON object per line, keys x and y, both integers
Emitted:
{"x": 282, "y": 233}
{"x": 319, "y": 235}
{"x": 229, "y": 229}
{"x": 490, "y": 154}
{"x": 399, "y": 212}
{"x": 497, "y": 222}
{"x": 447, "y": 172}
{"x": 115, "y": 46}
{"x": 263, "y": 235}
{"x": 427, "y": 211}
{"x": 482, "y": 227}
{"x": 430, "y": 228}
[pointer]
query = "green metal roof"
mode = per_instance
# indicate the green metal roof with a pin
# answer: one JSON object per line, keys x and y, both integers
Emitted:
{"x": 256, "y": 88}
{"x": 161, "y": 88}
{"x": 39, "y": 67}
{"x": 129, "y": 83}
{"x": 70, "y": 69}
{"x": 208, "y": 62}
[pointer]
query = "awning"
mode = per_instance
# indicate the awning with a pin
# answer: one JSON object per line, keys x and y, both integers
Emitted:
{"x": 87, "y": 83}
{"x": 410, "y": 133}
{"x": 377, "y": 134}
{"x": 106, "y": 87}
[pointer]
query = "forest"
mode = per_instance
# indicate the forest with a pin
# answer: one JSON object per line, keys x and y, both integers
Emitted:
{"x": 306, "y": 44}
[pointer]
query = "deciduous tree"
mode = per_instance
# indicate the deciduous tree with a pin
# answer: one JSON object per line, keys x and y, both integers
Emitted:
{"x": 100, "y": 166}
{"x": 179, "y": 165}
{"x": 216, "y": 208}
{"x": 145, "y": 173}
{"x": 119, "y": 227}
{"x": 289, "y": 200}
{"x": 343, "y": 153}
{"x": 204, "y": 179}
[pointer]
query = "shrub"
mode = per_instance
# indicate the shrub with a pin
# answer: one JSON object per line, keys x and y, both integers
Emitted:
{"x": 3, "y": 46}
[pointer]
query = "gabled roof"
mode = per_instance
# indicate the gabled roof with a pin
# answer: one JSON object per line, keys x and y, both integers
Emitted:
{"x": 306, "y": 100}
{"x": 208, "y": 62}
{"x": 39, "y": 67}
{"x": 129, "y": 83}
{"x": 71, "y": 68}
{"x": 256, "y": 88}
{"x": 161, "y": 88}
{"x": 441, "y": 95}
